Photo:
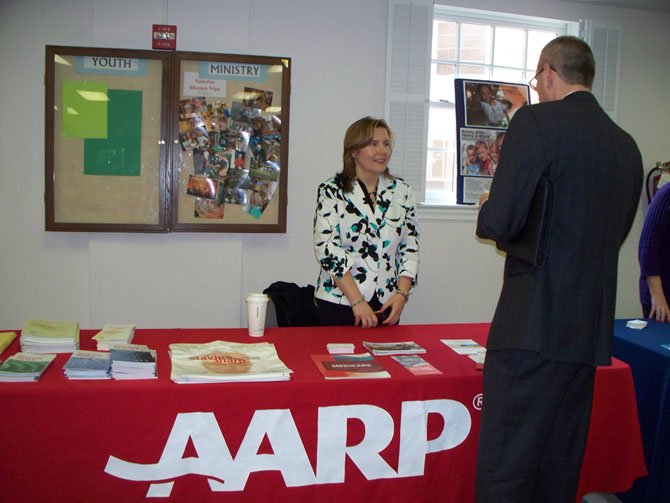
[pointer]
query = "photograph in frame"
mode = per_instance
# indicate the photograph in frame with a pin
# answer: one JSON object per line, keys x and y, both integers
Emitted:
{"x": 484, "y": 110}
{"x": 492, "y": 104}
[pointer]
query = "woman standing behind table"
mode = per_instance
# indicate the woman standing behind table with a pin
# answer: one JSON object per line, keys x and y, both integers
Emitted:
{"x": 366, "y": 237}
{"x": 653, "y": 252}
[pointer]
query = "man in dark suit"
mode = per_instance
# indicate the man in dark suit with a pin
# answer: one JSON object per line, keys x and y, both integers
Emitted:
{"x": 553, "y": 324}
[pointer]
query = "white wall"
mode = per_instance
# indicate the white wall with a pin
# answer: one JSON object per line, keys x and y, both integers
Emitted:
{"x": 338, "y": 51}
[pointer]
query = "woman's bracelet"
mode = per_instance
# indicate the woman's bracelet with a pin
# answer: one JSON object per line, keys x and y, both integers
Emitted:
{"x": 404, "y": 293}
{"x": 360, "y": 301}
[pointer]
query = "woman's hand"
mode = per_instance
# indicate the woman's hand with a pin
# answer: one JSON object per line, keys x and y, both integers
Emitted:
{"x": 396, "y": 304}
{"x": 659, "y": 309}
{"x": 659, "y": 304}
{"x": 364, "y": 315}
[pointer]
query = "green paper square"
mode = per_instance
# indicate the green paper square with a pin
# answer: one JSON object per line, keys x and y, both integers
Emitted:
{"x": 84, "y": 109}
{"x": 119, "y": 153}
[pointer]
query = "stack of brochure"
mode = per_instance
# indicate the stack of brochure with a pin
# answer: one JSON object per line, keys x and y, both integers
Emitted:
{"x": 222, "y": 361}
{"x": 340, "y": 348}
{"x": 46, "y": 336}
{"x": 88, "y": 365}
{"x": 393, "y": 348}
{"x": 24, "y": 367}
{"x": 6, "y": 338}
{"x": 132, "y": 361}
{"x": 479, "y": 359}
{"x": 475, "y": 351}
{"x": 114, "y": 334}
{"x": 464, "y": 346}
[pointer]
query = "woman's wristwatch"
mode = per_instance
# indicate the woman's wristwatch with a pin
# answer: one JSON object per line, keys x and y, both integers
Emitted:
{"x": 404, "y": 293}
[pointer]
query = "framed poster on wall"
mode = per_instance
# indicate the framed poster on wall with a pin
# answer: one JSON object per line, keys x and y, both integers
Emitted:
{"x": 483, "y": 112}
{"x": 150, "y": 141}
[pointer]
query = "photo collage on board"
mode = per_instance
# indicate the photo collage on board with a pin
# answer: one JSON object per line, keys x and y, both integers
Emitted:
{"x": 231, "y": 150}
{"x": 484, "y": 111}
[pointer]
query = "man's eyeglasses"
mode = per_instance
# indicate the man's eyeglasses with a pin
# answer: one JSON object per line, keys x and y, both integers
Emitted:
{"x": 533, "y": 82}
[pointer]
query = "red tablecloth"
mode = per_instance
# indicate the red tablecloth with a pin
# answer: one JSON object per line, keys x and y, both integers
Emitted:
{"x": 406, "y": 438}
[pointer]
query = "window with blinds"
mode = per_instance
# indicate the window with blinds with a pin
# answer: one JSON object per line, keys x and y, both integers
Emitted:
{"x": 431, "y": 45}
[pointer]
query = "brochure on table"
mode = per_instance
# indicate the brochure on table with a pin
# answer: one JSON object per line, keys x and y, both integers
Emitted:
{"x": 356, "y": 366}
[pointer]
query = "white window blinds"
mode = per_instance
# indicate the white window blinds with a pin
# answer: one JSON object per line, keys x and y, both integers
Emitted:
{"x": 605, "y": 41}
{"x": 408, "y": 61}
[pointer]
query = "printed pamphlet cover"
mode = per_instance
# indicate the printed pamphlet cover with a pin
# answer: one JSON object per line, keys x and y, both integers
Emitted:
{"x": 50, "y": 329}
{"x": 134, "y": 353}
{"x": 393, "y": 348}
{"x": 24, "y": 367}
{"x": 224, "y": 361}
{"x": 6, "y": 338}
{"x": 122, "y": 333}
{"x": 464, "y": 346}
{"x": 132, "y": 361}
{"x": 356, "y": 366}
{"x": 416, "y": 365}
{"x": 88, "y": 365}
{"x": 88, "y": 360}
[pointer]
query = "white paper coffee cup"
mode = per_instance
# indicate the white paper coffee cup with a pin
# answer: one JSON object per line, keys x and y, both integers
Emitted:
{"x": 257, "y": 307}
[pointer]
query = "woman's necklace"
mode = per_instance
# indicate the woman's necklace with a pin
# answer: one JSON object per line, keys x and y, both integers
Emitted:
{"x": 370, "y": 195}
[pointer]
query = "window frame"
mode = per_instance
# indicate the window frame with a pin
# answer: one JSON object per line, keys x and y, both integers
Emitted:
{"x": 413, "y": 100}
{"x": 492, "y": 20}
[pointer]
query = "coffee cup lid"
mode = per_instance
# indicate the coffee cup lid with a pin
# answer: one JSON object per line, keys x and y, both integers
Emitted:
{"x": 257, "y": 296}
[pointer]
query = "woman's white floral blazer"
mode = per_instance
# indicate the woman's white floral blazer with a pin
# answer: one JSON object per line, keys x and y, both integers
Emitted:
{"x": 376, "y": 247}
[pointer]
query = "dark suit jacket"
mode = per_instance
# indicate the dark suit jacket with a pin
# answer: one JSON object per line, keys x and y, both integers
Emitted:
{"x": 565, "y": 310}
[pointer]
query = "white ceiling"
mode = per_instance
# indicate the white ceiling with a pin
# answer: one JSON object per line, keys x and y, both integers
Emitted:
{"x": 648, "y": 5}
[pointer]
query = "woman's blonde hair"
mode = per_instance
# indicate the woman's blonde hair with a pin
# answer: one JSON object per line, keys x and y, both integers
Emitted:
{"x": 358, "y": 135}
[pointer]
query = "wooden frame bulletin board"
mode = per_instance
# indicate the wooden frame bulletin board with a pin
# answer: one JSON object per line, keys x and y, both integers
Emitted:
{"x": 151, "y": 141}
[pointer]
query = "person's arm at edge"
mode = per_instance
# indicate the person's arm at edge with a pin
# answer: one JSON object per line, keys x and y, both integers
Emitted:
{"x": 659, "y": 303}
{"x": 409, "y": 264}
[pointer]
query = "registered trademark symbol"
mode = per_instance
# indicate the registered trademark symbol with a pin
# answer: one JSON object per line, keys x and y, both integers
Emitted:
{"x": 477, "y": 401}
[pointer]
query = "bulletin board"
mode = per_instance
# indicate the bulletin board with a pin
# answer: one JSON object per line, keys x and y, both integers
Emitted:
{"x": 233, "y": 143}
{"x": 105, "y": 145}
{"x": 153, "y": 141}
